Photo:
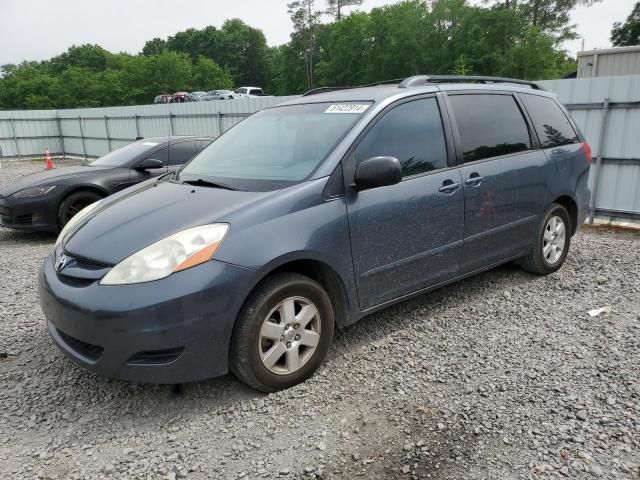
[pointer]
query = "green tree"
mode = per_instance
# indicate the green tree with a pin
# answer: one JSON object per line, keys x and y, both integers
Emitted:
{"x": 92, "y": 57}
{"x": 154, "y": 47}
{"x": 550, "y": 16}
{"x": 335, "y": 7}
{"x": 627, "y": 33}
{"x": 305, "y": 19}
{"x": 208, "y": 75}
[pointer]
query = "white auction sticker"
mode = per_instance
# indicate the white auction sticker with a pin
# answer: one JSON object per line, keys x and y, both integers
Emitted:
{"x": 149, "y": 144}
{"x": 347, "y": 108}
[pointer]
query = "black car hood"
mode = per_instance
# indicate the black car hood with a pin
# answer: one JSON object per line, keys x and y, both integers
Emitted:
{"x": 50, "y": 177}
{"x": 138, "y": 217}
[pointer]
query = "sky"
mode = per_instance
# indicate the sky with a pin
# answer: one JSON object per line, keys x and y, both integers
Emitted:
{"x": 41, "y": 29}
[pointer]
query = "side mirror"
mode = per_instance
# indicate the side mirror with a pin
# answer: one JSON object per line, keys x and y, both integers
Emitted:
{"x": 378, "y": 172}
{"x": 150, "y": 164}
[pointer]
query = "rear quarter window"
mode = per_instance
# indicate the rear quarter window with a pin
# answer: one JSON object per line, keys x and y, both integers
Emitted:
{"x": 489, "y": 125}
{"x": 550, "y": 122}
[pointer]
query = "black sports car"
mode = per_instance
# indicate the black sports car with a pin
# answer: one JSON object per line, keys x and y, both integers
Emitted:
{"x": 47, "y": 200}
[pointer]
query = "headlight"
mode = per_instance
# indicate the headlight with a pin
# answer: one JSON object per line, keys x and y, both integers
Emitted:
{"x": 74, "y": 221}
{"x": 34, "y": 191}
{"x": 178, "y": 252}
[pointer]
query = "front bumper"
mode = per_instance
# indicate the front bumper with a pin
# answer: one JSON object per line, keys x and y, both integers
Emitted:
{"x": 174, "y": 330}
{"x": 35, "y": 214}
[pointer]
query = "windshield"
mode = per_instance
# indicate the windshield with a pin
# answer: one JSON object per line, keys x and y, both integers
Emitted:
{"x": 123, "y": 156}
{"x": 282, "y": 144}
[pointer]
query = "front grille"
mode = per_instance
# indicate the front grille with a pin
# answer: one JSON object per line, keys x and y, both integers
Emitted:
{"x": 156, "y": 357}
{"x": 80, "y": 272}
{"x": 88, "y": 350}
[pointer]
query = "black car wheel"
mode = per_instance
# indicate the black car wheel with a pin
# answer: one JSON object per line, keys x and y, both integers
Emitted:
{"x": 73, "y": 203}
{"x": 282, "y": 334}
{"x": 552, "y": 242}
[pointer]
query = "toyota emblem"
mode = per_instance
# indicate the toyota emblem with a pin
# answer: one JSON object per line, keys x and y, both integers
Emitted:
{"x": 61, "y": 262}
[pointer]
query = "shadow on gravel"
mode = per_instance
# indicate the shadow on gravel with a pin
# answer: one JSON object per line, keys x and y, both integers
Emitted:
{"x": 156, "y": 401}
{"x": 16, "y": 236}
{"x": 78, "y": 392}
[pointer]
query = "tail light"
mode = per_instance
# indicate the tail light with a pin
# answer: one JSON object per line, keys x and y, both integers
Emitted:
{"x": 587, "y": 151}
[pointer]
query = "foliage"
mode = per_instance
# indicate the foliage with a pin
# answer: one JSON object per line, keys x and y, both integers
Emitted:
{"x": 306, "y": 20}
{"x": 335, "y": 7}
{"x": 503, "y": 38}
{"x": 550, "y": 16}
{"x": 627, "y": 33}
{"x": 451, "y": 36}
{"x": 236, "y": 47}
{"x": 82, "y": 78}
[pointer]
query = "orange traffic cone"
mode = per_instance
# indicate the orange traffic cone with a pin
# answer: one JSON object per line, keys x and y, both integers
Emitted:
{"x": 49, "y": 163}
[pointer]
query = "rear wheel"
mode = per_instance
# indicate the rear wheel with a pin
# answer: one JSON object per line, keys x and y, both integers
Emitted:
{"x": 552, "y": 244}
{"x": 73, "y": 203}
{"x": 283, "y": 333}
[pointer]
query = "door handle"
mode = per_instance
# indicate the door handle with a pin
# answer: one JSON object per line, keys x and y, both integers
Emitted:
{"x": 449, "y": 187}
{"x": 474, "y": 181}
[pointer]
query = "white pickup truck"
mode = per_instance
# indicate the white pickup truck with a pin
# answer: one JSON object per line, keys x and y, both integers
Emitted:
{"x": 249, "y": 92}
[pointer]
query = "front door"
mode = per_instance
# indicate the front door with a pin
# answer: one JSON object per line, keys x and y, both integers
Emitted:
{"x": 407, "y": 236}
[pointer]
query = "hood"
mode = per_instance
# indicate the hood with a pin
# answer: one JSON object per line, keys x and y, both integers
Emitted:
{"x": 138, "y": 217}
{"x": 49, "y": 177}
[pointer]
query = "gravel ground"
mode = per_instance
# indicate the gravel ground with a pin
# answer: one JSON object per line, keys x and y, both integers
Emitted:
{"x": 502, "y": 376}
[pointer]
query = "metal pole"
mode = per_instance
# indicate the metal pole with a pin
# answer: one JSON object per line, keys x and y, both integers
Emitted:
{"x": 171, "y": 124}
{"x": 106, "y": 128}
{"x": 220, "y": 123}
{"x": 598, "y": 167}
{"x": 135, "y": 117}
{"x": 15, "y": 138}
{"x": 64, "y": 155}
{"x": 84, "y": 147}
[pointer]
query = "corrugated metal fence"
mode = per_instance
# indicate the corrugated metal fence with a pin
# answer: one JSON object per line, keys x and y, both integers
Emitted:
{"x": 607, "y": 109}
{"x": 92, "y": 132}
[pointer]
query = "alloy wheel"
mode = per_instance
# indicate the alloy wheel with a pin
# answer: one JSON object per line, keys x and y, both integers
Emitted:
{"x": 289, "y": 335}
{"x": 554, "y": 240}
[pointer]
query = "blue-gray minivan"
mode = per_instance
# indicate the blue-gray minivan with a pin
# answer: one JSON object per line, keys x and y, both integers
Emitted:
{"x": 308, "y": 216}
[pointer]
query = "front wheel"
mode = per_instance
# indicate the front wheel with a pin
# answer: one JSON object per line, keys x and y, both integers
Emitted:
{"x": 282, "y": 334}
{"x": 552, "y": 242}
{"x": 75, "y": 202}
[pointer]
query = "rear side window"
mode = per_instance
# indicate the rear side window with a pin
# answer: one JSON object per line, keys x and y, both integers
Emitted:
{"x": 411, "y": 132}
{"x": 489, "y": 126}
{"x": 551, "y": 124}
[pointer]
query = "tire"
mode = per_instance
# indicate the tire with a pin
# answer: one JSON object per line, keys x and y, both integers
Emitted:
{"x": 73, "y": 203}
{"x": 544, "y": 258}
{"x": 265, "y": 342}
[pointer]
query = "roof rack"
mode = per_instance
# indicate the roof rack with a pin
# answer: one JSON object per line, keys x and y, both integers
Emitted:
{"x": 419, "y": 80}
{"x": 316, "y": 91}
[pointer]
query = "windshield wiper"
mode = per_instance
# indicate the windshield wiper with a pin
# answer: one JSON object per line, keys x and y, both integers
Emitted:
{"x": 206, "y": 183}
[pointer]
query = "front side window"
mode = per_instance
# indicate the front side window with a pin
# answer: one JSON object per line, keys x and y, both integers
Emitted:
{"x": 489, "y": 125}
{"x": 551, "y": 124}
{"x": 281, "y": 144}
{"x": 411, "y": 132}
